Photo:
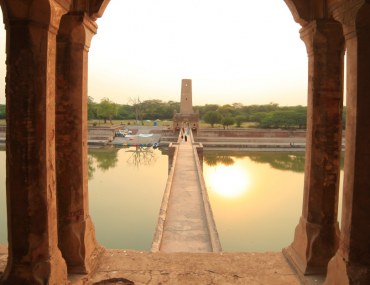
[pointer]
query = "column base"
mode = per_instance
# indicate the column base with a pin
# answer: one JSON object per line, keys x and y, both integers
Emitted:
{"x": 312, "y": 248}
{"x": 79, "y": 246}
{"x": 342, "y": 272}
{"x": 52, "y": 270}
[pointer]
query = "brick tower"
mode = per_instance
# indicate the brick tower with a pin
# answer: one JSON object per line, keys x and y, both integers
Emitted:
{"x": 186, "y": 103}
{"x": 187, "y": 117}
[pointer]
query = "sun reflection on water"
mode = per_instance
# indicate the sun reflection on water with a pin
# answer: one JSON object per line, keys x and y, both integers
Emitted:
{"x": 228, "y": 181}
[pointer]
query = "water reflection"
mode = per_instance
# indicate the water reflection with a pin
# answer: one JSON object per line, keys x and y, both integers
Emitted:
{"x": 90, "y": 167}
{"x": 252, "y": 199}
{"x": 125, "y": 201}
{"x": 105, "y": 158}
{"x": 141, "y": 156}
{"x": 282, "y": 161}
{"x": 292, "y": 161}
{"x": 267, "y": 203}
{"x": 229, "y": 181}
{"x": 214, "y": 158}
{"x": 278, "y": 160}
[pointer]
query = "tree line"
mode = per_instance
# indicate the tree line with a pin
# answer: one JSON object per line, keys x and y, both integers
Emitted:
{"x": 2, "y": 112}
{"x": 264, "y": 116}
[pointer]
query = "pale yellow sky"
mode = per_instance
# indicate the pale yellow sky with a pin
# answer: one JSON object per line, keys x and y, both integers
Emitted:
{"x": 233, "y": 50}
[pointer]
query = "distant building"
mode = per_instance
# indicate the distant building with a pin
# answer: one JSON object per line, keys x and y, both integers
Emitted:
{"x": 187, "y": 117}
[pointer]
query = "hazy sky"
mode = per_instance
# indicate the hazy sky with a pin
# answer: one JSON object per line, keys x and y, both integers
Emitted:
{"x": 233, "y": 50}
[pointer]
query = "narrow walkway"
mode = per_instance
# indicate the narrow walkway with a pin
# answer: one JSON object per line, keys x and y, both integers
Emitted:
{"x": 186, "y": 226}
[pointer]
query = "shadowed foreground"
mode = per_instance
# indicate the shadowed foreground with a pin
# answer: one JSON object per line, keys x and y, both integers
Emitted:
{"x": 139, "y": 268}
{"x": 194, "y": 268}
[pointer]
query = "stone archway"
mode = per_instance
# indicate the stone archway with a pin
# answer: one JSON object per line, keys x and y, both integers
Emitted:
{"x": 47, "y": 44}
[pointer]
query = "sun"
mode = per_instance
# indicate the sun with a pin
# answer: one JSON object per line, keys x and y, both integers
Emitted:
{"x": 228, "y": 181}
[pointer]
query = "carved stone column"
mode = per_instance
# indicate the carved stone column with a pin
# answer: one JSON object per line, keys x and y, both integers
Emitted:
{"x": 34, "y": 256}
{"x": 316, "y": 235}
{"x": 351, "y": 264}
{"x": 76, "y": 231}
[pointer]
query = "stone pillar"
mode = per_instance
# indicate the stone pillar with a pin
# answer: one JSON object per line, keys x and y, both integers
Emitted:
{"x": 316, "y": 235}
{"x": 34, "y": 256}
{"x": 351, "y": 264}
{"x": 76, "y": 231}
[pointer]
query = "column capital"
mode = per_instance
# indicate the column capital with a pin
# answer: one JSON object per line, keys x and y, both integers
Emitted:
{"x": 352, "y": 15}
{"x": 46, "y": 13}
{"x": 325, "y": 36}
{"x": 93, "y": 8}
{"x": 97, "y": 8}
{"x": 77, "y": 28}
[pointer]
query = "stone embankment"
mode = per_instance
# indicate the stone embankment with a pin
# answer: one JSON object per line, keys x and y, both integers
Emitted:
{"x": 252, "y": 139}
{"x": 241, "y": 139}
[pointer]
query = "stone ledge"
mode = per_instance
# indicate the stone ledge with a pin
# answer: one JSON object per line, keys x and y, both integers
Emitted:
{"x": 193, "y": 268}
{"x": 139, "y": 268}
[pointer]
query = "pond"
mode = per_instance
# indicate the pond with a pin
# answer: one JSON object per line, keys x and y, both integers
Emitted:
{"x": 256, "y": 198}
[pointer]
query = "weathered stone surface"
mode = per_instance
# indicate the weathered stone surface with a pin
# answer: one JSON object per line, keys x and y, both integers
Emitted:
{"x": 134, "y": 267}
{"x": 34, "y": 256}
{"x": 316, "y": 235}
{"x": 191, "y": 268}
{"x": 76, "y": 231}
{"x": 351, "y": 264}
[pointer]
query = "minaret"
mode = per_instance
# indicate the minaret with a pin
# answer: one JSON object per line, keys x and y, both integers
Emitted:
{"x": 186, "y": 103}
{"x": 186, "y": 117}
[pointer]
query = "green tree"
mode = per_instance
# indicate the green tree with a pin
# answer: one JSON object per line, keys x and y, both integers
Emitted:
{"x": 227, "y": 121}
{"x": 290, "y": 117}
{"x": 2, "y": 111}
{"x": 227, "y": 110}
{"x": 257, "y": 116}
{"x": 239, "y": 119}
{"x": 206, "y": 108}
{"x": 125, "y": 112}
{"x": 106, "y": 109}
{"x": 212, "y": 118}
{"x": 92, "y": 109}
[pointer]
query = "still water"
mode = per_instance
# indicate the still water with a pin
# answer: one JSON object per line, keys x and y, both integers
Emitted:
{"x": 256, "y": 198}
